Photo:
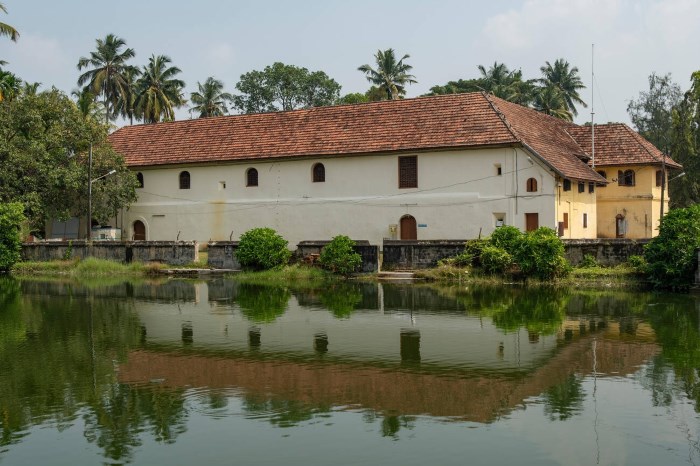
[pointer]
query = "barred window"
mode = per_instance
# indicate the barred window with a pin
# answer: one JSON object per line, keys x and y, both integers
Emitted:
{"x": 251, "y": 177}
{"x": 581, "y": 187}
{"x": 319, "y": 173}
{"x": 184, "y": 180}
{"x": 659, "y": 177}
{"x": 625, "y": 178}
{"x": 408, "y": 172}
{"x": 567, "y": 185}
{"x": 591, "y": 187}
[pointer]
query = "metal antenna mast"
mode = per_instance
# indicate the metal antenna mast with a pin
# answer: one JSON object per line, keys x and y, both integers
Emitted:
{"x": 592, "y": 112}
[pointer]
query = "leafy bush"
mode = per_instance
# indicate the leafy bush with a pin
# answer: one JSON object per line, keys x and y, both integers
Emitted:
{"x": 495, "y": 259}
{"x": 11, "y": 219}
{"x": 262, "y": 248}
{"x": 541, "y": 254}
{"x": 588, "y": 262}
{"x": 638, "y": 263}
{"x": 338, "y": 256}
{"x": 671, "y": 255}
{"x": 507, "y": 238}
{"x": 472, "y": 250}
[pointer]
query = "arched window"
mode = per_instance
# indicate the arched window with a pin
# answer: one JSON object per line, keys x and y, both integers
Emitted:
{"x": 625, "y": 178}
{"x": 139, "y": 178}
{"x": 319, "y": 173}
{"x": 531, "y": 185}
{"x": 251, "y": 177}
{"x": 184, "y": 180}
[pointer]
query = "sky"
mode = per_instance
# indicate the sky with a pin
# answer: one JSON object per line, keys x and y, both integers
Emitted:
{"x": 446, "y": 40}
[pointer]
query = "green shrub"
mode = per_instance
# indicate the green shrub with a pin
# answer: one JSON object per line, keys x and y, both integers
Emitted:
{"x": 588, "y": 262}
{"x": 339, "y": 257}
{"x": 472, "y": 250}
{"x": 671, "y": 256}
{"x": 262, "y": 248}
{"x": 11, "y": 219}
{"x": 638, "y": 263}
{"x": 495, "y": 259}
{"x": 507, "y": 238}
{"x": 541, "y": 254}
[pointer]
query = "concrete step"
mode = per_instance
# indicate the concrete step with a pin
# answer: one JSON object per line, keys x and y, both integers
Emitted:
{"x": 395, "y": 275}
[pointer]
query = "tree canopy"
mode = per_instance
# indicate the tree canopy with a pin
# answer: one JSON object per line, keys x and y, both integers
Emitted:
{"x": 210, "y": 100}
{"x": 158, "y": 91}
{"x": 281, "y": 87}
{"x": 44, "y": 141}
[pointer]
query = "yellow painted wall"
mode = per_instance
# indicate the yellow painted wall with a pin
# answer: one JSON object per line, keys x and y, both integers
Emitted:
{"x": 639, "y": 204}
{"x": 576, "y": 204}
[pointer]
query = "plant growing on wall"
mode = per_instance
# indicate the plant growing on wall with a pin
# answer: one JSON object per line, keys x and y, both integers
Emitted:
{"x": 339, "y": 257}
{"x": 263, "y": 249}
{"x": 11, "y": 219}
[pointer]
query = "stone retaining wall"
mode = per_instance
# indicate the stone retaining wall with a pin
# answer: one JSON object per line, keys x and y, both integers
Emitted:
{"x": 368, "y": 253}
{"x": 410, "y": 255}
{"x": 222, "y": 255}
{"x": 167, "y": 252}
{"x": 605, "y": 251}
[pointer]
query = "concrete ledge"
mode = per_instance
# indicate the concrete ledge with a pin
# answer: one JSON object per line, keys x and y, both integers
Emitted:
{"x": 167, "y": 252}
{"x": 419, "y": 254}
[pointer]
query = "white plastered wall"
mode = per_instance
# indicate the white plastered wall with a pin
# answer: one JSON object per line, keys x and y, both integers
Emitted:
{"x": 459, "y": 196}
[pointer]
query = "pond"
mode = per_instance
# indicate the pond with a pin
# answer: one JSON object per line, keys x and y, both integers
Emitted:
{"x": 220, "y": 372}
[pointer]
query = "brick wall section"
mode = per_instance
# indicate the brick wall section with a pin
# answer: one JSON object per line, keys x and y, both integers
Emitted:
{"x": 167, "y": 252}
{"x": 606, "y": 251}
{"x": 409, "y": 255}
{"x": 222, "y": 255}
{"x": 368, "y": 253}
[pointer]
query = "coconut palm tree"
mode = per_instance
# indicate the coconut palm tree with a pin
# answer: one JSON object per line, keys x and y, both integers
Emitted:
{"x": 211, "y": 99}
{"x": 107, "y": 76}
{"x": 88, "y": 105}
{"x": 551, "y": 100}
{"x": 391, "y": 76}
{"x": 6, "y": 29}
{"x": 126, "y": 105}
{"x": 566, "y": 80}
{"x": 10, "y": 85}
{"x": 158, "y": 92}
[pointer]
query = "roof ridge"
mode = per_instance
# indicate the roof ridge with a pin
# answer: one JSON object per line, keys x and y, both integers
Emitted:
{"x": 583, "y": 151}
{"x": 502, "y": 117}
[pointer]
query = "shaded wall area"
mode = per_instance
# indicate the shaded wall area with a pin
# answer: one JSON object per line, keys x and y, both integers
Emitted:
{"x": 167, "y": 252}
{"x": 605, "y": 251}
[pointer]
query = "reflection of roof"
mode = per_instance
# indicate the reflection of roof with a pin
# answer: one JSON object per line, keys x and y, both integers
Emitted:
{"x": 402, "y": 391}
{"x": 618, "y": 144}
{"x": 428, "y": 123}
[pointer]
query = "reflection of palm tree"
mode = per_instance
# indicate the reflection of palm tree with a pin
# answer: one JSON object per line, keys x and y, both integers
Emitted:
{"x": 108, "y": 74}
{"x": 211, "y": 99}
{"x": 158, "y": 92}
{"x": 391, "y": 76}
{"x": 564, "y": 400}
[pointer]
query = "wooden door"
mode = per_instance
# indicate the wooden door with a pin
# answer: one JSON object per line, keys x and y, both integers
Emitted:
{"x": 532, "y": 222}
{"x": 139, "y": 231}
{"x": 408, "y": 228}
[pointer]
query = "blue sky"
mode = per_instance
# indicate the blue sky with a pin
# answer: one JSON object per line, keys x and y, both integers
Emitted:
{"x": 446, "y": 39}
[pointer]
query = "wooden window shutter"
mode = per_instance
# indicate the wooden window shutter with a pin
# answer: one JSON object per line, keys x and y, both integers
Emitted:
{"x": 620, "y": 178}
{"x": 566, "y": 220}
{"x": 408, "y": 172}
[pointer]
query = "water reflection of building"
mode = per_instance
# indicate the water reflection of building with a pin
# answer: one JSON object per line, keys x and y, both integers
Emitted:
{"x": 407, "y": 359}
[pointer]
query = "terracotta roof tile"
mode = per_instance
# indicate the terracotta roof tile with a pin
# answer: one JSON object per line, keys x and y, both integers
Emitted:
{"x": 618, "y": 144}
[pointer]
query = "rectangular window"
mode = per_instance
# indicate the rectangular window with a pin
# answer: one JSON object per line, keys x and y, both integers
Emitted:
{"x": 659, "y": 177}
{"x": 566, "y": 220}
{"x": 567, "y": 185}
{"x": 591, "y": 187}
{"x": 581, "y": 187}
{"x": 532, "y": 221}
{"x": 585, "y": 220}
{"x": 408, "y": 172}
{"x": 499, "y": 171}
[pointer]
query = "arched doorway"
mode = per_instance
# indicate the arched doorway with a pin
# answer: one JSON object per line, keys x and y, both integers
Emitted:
{"x": 139, "y": 231}
{"x": 408, "y": 228}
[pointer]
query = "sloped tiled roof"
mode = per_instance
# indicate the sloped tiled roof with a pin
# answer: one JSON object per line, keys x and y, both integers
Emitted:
{"x": 618, "y": 144}
{"x": 465, "y": 120}
{"x": 426, "y": 123}
{"x": 548, "y": 137}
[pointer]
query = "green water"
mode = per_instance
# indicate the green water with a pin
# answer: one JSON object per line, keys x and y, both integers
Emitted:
{"x": 216, "y": 372}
